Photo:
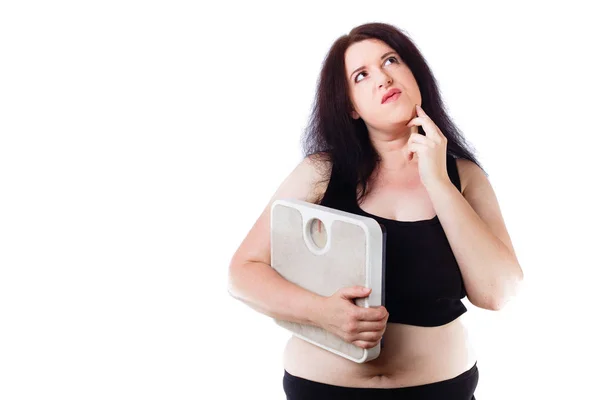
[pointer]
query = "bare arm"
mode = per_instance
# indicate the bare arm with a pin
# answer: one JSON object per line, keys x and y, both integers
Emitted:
{"x": 479, "y": 239}
{"x": 261, "y": 287}
{"x": 252, "y": 280}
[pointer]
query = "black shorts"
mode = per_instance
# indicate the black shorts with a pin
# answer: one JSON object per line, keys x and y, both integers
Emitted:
{"x": 461, "y": 387}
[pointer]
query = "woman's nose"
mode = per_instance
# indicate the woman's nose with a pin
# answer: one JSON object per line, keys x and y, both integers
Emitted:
{"x": 385, "y": 80}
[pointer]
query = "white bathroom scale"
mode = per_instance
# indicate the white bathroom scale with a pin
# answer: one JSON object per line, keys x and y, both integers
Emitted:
{"x": 323, "y": 249}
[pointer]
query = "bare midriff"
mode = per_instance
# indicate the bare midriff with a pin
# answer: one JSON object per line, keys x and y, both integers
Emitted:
{"x": 411, "y": 356}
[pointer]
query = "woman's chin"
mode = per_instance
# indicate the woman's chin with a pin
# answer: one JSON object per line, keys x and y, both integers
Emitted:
{"x": 400, "y": 124}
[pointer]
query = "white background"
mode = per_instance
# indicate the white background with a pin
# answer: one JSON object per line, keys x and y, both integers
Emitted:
{"x": 141, "y": 140}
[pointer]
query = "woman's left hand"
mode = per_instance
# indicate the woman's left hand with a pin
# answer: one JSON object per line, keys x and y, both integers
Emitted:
{"x": 429, "y": 149}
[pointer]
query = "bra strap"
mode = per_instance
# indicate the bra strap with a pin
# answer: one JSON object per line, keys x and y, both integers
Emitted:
{"x": 453, "y": 171}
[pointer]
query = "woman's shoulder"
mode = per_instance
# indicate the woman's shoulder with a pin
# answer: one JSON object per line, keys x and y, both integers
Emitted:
{"x": 319, "y": 167}
{"x": 466, "y": 168}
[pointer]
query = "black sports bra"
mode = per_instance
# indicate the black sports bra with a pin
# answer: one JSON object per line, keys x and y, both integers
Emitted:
{"x": 423, "y": 284}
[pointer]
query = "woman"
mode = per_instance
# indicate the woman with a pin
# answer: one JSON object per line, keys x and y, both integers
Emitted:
{"x": 446, "y": 238}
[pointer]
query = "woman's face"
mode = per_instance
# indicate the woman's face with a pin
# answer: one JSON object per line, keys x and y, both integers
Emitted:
{"x": 372, "y": 69}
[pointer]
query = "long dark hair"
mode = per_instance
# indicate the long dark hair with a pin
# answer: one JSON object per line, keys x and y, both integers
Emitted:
{"x": 333, "y": 134}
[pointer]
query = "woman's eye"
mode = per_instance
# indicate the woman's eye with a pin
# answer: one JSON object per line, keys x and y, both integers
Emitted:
{"x": 361, "y": 73}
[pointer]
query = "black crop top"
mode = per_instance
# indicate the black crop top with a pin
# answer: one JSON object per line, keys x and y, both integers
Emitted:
{"x": 423, "y": 284}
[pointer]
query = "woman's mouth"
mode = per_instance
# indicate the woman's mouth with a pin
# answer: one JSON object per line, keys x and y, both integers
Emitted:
{"x": 393, "y": 97}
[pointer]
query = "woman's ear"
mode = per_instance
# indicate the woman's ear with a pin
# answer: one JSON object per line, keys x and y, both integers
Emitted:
{"x": 355, "y": 114}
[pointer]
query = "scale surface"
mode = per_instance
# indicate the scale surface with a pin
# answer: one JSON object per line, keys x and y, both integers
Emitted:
{"x": 323, "y": 249}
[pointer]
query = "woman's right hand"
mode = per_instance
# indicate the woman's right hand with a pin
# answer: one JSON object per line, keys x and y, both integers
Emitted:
{"x": 360, "y": 326}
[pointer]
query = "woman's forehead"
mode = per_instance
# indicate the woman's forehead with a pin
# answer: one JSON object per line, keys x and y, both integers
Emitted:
{"x": 364, "y": 52}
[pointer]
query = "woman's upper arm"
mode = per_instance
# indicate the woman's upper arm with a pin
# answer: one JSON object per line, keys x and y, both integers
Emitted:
{"x": 305, "y": 183}
{"x": 480, "y": 195}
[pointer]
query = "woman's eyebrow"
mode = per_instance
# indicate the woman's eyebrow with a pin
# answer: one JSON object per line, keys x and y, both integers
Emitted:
{"x": 382, "y": 57}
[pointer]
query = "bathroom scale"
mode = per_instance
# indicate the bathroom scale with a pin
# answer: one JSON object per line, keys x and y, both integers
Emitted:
{"x": 323, "y": 249}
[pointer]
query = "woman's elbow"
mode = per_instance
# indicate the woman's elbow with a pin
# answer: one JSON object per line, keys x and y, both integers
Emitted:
{"x": 497, "y": 300}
